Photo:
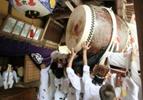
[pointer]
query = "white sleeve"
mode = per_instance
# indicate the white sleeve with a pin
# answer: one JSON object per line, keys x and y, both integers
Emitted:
{"x": 134, "y": 66}
{"x": 86, "y": 74}
{"x": 77, "y": 93}
{"x": 133, "y": 89}
{"x": 47, "y": 68}
{"x": 118, "y": 59}
{"x": 74, "y": 79}
{"x": 15, "y": 76}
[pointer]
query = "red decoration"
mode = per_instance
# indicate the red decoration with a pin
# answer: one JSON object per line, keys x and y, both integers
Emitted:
{"x": 118, "y": 39}
{"x": 18, "y": 3}
{"x": 132, "y": 39}
{"x": 32, "y": 33}
{"x": 31, "y": 3}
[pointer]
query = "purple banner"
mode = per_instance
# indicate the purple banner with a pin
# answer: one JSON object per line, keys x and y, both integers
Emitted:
{"x": 9, "y": 47}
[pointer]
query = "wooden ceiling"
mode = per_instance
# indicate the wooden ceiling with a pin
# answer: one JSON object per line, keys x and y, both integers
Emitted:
{"x": 63, "y": 11}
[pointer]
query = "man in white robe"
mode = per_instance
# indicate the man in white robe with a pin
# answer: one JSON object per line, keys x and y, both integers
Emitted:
{"x": 44, "y": 79}
{"x": 62, "y": 87}
{"x": 91, "y": 91}
{"x": 44, "y": 76}
{"x": 75, "y": 80}
{"x": 9, "y": 77}
{"x": 131, "y": 62}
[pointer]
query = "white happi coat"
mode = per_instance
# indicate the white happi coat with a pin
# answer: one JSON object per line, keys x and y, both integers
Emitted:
{"x": 91, "y": 91}
{"x": 129, "y": 60}
{"x": 62, "y": 86}
{"x": 51, "y": 88}
{"x": 75, "y": 88}
{"x": 112, "y": 81}
{"x": 132, "y": 90}
{"x": 44, "y": 79}
{"x": 9, "y": 77}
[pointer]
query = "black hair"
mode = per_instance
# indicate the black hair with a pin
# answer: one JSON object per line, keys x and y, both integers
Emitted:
{"x": 92, "y": 60}
{"x": 78, "y": 69}
{"x": 57, "y": 71}
{"x": 107, "y": 92}
{"x": 97, "y": 80}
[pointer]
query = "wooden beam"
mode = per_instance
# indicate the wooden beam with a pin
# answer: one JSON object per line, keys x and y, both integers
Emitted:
{"x": 42, "y": 43}
{"x": 77, "y": 2}
{"x": 138, "y": 12}
{"x": 61, "y": 14}
{"x": 69, "y": 5}
{"x": 130, "y": 1}
{"x": 9, "y": 7}
{"x": 129, "y": 4}
{"x": 121, "y": 8}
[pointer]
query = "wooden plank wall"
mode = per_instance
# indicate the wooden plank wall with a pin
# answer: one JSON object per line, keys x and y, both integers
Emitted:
{"x": 31, "y": 72}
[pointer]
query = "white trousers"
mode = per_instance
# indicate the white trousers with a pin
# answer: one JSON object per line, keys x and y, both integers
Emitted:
{"x": 43, "y": 94}
{"x": 59, "y": 95}
{"x": 8, "y": 84}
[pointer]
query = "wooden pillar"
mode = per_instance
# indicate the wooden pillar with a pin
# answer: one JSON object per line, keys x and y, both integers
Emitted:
{"x": 120, "y": 8}
{"x": 139, "y": 20}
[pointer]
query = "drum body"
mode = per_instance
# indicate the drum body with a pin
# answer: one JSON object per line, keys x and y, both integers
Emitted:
{"x": 94, "y": 24}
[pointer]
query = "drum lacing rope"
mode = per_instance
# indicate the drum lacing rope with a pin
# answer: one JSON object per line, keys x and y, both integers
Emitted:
{"x": 114, "y": 33}
{"x": 126, "y": 46}
{"x": 128, "y": 39}
{"x": 92, "y": 25}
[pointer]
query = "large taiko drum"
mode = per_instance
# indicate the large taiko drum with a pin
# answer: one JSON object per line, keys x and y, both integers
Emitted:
{"x": 94, "y": 24}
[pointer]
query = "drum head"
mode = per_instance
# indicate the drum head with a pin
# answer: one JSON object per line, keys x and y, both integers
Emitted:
{"x": 78, "y": 27}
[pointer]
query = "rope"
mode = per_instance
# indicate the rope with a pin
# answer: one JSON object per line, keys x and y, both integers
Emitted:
{"x": 114, "y": 33}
